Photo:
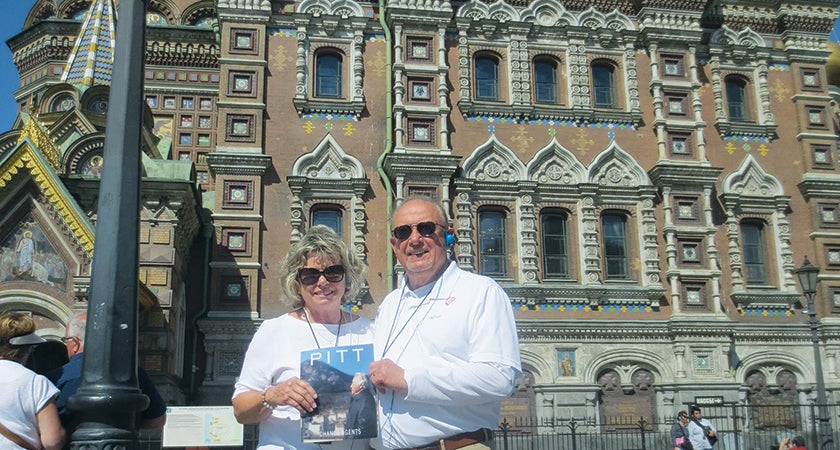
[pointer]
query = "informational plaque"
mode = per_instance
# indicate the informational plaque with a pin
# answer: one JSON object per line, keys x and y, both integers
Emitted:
{"x": 202, "y": 426}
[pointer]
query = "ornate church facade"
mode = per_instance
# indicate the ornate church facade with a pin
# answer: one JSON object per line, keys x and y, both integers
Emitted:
{"x": 643, "y": 177}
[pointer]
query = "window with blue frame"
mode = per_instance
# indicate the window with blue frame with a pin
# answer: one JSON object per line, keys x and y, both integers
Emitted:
{"x": 330, "y": 217}
{"x": 752, "y": 247}
{"x": 736, "y": 98}
{"x": 328, "y": 76}
{"x": 545, "y": 80}
{"x": 486, "y": 78}
{"x": 555, "y": 245}
{"x": 603, "y": 85}
{"x": 614, "y": 233}
{"x": 492, "y": 244}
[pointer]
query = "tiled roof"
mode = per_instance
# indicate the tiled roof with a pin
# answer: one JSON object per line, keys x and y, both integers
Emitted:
{"x": 92, "y": 60}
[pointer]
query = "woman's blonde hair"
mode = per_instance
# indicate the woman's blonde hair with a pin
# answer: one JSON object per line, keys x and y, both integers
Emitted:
{"x": 14, "y": 325}
{"x": 322, "y": 242}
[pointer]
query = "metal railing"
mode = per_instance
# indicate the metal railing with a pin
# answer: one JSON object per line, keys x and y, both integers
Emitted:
{"x": 753, "y": 427}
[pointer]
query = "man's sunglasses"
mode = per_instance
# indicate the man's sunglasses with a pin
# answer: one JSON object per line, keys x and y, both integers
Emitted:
{"x": 308, "y": 275}
{"x": 425, "y": 229}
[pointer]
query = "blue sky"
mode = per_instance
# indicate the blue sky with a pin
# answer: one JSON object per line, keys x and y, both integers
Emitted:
{"x": 11, "y": 21}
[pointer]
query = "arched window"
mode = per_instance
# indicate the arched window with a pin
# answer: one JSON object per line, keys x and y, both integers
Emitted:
{"x": 486, "y": 78}
{"x": 616, "y": 261}
{"x": 736, "y": 98}
{"x": 62, "y": 102}
{"x": 545, "y": 80}
{"x": 773, "y": 407}
{"x": 603, "y": 85}
{"x": 752, "y": 246}
{"x": 492, "y": 248}
{"x": 92, "y": 165}
{"x": 555, "y": 245}
{"x": 328, "y": 216}
{"x": 623, "y": 407}
{"x": 328, "y": 75}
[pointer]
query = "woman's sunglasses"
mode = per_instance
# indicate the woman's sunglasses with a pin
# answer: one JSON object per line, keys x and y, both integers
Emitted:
{"x": 308, "y": 275}
{"x": 425, "y": 229}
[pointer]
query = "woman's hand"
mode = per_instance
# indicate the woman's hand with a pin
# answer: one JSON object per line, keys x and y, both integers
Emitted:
{"x": 293, "y": 392}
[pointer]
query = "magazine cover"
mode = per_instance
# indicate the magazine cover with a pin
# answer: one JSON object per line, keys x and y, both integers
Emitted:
{"x": 346, "y": 406}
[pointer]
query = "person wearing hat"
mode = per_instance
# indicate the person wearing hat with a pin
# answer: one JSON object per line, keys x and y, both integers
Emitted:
{"x": 28, "y": 415}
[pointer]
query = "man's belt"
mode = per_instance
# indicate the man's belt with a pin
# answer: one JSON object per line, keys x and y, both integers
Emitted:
{"x": 459, "y": 440}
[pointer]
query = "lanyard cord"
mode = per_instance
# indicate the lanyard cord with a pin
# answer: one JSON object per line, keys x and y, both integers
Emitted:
{"x": 388, "y": 342}
{"x": 337, "y": 335}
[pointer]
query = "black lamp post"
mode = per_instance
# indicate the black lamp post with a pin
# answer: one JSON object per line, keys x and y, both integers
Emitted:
{"x": 108, "y": 396}
{"x": 808, "y": 280}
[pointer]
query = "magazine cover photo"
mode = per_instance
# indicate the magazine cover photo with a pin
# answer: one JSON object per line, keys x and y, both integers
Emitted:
{"x": 346, "y": 404}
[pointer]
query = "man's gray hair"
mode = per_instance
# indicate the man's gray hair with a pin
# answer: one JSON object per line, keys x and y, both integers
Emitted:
{"x": 441, "y": 211}
{"x": 359, "y": 380}
{"x": 76, "y": 326}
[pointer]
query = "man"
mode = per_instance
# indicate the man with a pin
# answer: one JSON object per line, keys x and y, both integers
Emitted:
{"x": 447, "y": 343}
{"x": 69, "y": 376}
{"x": 700, "y": 431}
{"x": 361, "y": 416}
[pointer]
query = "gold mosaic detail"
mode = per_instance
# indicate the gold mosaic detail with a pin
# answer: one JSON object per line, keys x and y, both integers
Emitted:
{"x": 781, "y": 91}
{"x": 522, "y": 140}
{"x": 25, "y": 158}
{"x": 33, "y": 130}
{"x": 582, "y": 142}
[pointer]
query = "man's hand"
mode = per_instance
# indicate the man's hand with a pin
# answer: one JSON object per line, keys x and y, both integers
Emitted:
{"x": 385, "y": 374}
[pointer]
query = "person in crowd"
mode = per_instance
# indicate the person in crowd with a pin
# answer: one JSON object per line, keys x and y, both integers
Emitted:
{"x": 701, "y": 433}
{"x": 28, "y": 413}
{"x": 316, "y": 275}
{"x": 679, "y": 432}
{"x": 69, "y": 376}
{"x": 446, "y": 341}
{"x": 795, "y": 443}
{"x": 361, "y": 416}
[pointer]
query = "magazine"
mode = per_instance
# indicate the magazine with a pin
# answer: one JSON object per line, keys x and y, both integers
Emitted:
{"x": 346, "y": 404}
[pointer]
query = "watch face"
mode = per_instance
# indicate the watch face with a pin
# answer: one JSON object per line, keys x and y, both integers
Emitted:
{"x": 702, "y": 362}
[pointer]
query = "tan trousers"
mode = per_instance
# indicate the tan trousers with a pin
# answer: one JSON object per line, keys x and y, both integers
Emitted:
{"x": 480, "y": 446}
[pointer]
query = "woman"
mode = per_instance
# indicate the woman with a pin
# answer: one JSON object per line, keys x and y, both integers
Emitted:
{"x": 316, "y": 275}
{"x": 28, "y": 415}
{"x": 679, "y": 432}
